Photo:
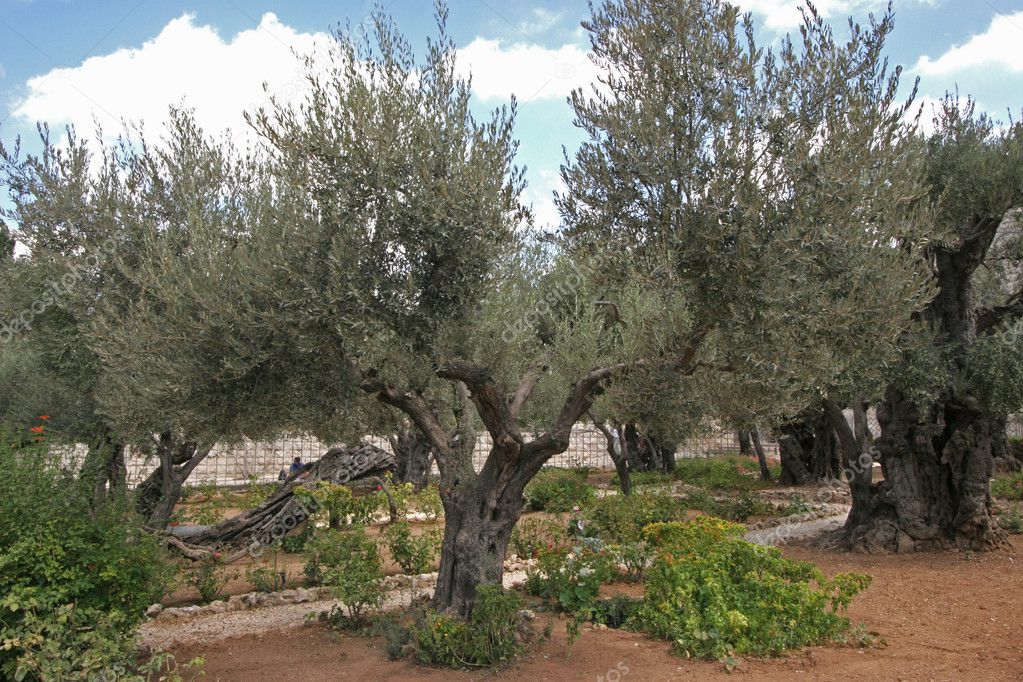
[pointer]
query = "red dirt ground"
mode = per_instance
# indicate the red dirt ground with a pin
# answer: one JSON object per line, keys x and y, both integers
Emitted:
{"x": 946, "y": 616}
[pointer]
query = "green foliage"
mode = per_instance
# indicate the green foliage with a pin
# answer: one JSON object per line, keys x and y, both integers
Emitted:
{"x": 340, "y": 505}
{"x": 347, "y": 562}
{"x": 535, "y": 533}
{"x": 490, "y": 636}
{"x": 570, "y": 578}
{"x": 70, "y": 644}
{"x": 634, "y": 556}
{"x": 1008, "y": 486}
{"x": 621, "y": 518}
{"x": 1011, "y": 521}
{"x": 268, "y": 576}
{"x": 717, "y": 473}
{"x": 558, "y": 490}
{"x": 715, "y": 595}
{"x": 75, "y": 580}
{"x": 427, "y": 501}
{"x": 414, "y": 553}
{"x": 209, "y": 577}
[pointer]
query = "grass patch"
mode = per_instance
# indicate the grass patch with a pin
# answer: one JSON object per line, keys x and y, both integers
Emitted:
{"x": 1008, "y": 486}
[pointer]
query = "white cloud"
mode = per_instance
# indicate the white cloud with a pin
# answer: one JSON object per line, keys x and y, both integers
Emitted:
{"x": 185, "y": 63}
{"x": 783, "y": 15}
{"x": 540, "y": 20}
{"x": 528, "y": 71}
{"x": 999, "y": 46}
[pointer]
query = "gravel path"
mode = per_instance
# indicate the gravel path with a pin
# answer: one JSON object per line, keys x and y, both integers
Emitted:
{"x": 832, "y": 517}
{"x": 213, "y": 627}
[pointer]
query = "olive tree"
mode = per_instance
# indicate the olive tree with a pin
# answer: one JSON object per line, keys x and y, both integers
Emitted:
{"x": 773, "y": 198}
{"x": 943, "y": 411}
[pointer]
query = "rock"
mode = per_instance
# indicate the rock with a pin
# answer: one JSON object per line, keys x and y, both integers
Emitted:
{"x": 301, "y": 595}
{"x": 154, "y": 610}
{"x": 217, "y": 606}
{"x": 288, "y": 595}
{"x": 906, "y": 544}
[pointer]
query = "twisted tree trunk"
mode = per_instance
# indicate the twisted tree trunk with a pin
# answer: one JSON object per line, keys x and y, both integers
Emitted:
{"x": 808, "y": 449}
{"x": 937, "y": 458}
{"x": 161, "y": 491}
{"x": 413, "y": 456}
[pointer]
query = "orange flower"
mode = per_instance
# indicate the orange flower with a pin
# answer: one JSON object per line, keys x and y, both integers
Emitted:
{"x": 44, "y": 417}
{"x": 36, "y": 429}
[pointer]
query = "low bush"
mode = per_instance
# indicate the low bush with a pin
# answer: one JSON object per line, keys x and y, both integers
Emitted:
{"x": 714, "y": 595}
{"x": 621, "y": 518}
{"x": 269, "y": 576}
{"x": 633, "y": 557}
{"x": 738, "y": 509}
{"x": 1011, "y": 521}
{"x": 208, "y": 577}
{"x": 347, "y": 562}
{"x": 569, "y": 579}
{"x": 491, "y": 635}
{"x": 717, "y": 473}
{"x": 414, "y": 553}
{"x": 535, "y": 533}
{"x": 1008, "y": 486}
{"x": 558, "y": 490}
{"x": 75, "y": 579}
{"x": 339, "y": 506}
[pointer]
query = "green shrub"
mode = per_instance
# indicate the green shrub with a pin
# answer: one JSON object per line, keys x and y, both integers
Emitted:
{"x": 339, "y": 506}
{"x": 268, "y": 577}
{"x": 621, "y": 518}
{"x": 427, "y": 502}
{"x": 633, "y": 556}
{"x": 715, "y": 595}
{"x": 535, "y": 533}
{"x": 718, "y": 473}
{"x": 746, "y": 505}
{"x": 75, "y": 581}
{"x": 1008, "y": 486}
{"x": 558, "y": 490}
{"x": 490, "y": 637}
{"x": 208, "y": 577}
{"x": 570, "y": 578}
{"x": 415, "y": 554}
{"x": 348, "y": 562}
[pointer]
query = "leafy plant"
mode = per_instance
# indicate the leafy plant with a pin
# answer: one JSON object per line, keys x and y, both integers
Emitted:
{"x": 717, "y": 473}
{"x": 634, "y": 556}
{"x": 348, "y": 562}
{"x": 621, "y": 518}
{"x": 535, "y": 533}
{"x": 714, "y": 595}
{"x": 427, "y": 502}
{"x": 208, "y": 577}
{"x": 570, "y": 578}
{"x": 75, "y": 579}
{"x": 414, "y": 553}
{"x": 558, "y": 490}
{"x": 341, "y": 506}
{"x": 1011, "y": 521}
{"x": 269, "y": 577}
{"x": 491, "y": 635}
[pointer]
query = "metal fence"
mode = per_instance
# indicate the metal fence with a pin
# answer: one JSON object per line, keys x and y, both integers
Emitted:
{"x": 247, "y": 461}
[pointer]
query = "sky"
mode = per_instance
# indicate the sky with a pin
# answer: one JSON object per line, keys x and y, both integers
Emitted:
{"x": 86, "y": 63}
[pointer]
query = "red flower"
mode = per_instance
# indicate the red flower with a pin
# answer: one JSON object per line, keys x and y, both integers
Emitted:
{"x": 36, "y": 429}
{"x": 44, "y": 417}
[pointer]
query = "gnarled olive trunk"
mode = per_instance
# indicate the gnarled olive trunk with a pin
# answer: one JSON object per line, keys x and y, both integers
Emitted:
{"x": 104, "y": 468}
{"x": 937, "y": 458}
{"x": 478, "y": 524}
{"x": 161, "y": 491}
{"x": 413, "y": 456}
{"x": 808, "y": 449}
